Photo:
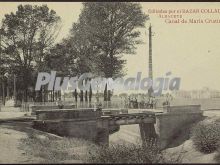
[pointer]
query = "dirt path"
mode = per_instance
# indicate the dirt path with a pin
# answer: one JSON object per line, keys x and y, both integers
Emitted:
{"x": 10, "y": 139}
{"x": 20, "y": 143}
{"x": 187, "y": 153}
{"x": 10, "y": 146}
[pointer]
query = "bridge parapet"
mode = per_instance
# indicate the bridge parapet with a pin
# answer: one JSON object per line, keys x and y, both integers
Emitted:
{"x": 81, "y": 113}
{"x": 126, "y": 119}
{"x": 174, "y": 119}
{"x": 34, "y": 108}
{"x": 114, "y": 111}
{"x": 182, "y": 109}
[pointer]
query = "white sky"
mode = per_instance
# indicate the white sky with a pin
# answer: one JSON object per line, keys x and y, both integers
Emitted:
{"x": 189, "y": 51}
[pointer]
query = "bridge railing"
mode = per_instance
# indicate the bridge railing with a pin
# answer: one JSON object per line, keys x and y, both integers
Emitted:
{"x": 115, "y": 103}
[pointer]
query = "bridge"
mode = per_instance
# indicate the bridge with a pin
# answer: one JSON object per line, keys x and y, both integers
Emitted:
{"x": 95, "y": 125}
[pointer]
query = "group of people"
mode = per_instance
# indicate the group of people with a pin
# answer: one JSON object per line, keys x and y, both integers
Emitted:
{"x": 140, "y": 102}
{"x": 135, "y": 102}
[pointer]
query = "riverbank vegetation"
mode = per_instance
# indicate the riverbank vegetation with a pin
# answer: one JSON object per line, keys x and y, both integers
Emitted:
{"x": 206, "y": 135}
{"x": 72, "y": 150}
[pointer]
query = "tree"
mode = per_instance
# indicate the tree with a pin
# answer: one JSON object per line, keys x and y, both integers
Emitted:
{"x": 28, "y": 34}
{"x": 111, "y": 29}
{"x": 84, "y": 53}
{"x": 61, "y": 59}
{"x": 3, "y": 71}
{"x": 71, "y": 57}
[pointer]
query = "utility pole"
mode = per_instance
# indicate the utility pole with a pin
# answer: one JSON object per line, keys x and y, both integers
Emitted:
{"x": 0, "y": 62}
{"x": 150, "y": 67}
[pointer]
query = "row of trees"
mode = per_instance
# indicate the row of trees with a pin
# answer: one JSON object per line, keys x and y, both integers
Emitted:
{"x": 96, "y": 43}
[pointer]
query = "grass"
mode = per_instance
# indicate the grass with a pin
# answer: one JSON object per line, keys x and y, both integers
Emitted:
{"x": 81, "y": 151}
{"x": 127, "y": 153}
{"x": 54, "y": 151}
{"x": 45, "y": 148}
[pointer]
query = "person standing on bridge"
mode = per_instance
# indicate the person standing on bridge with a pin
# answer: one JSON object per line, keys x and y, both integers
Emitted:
{"x": 60, "y": 103}
{"x": 139, "y": 101}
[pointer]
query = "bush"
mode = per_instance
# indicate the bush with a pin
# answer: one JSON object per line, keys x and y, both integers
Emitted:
{"x": 125, "y": 153}
{"x": 206, "y": 136}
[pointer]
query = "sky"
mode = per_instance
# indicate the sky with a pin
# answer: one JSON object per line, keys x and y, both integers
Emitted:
{"x": 190, "y": 51}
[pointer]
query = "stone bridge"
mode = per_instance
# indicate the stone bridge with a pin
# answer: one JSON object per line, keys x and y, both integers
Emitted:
{"x": 97, "y": 126}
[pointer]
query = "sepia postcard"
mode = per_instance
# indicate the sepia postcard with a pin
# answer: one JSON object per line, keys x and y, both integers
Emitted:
{"x": 109, "y": 82}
